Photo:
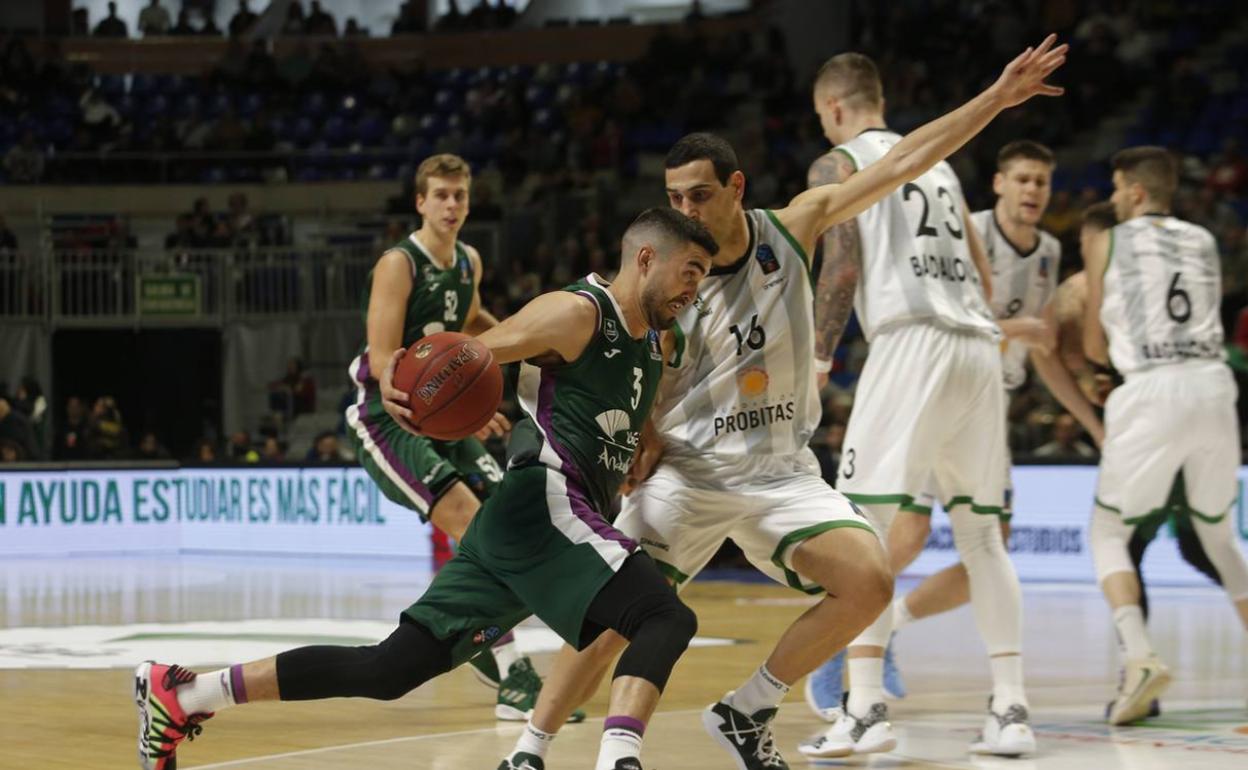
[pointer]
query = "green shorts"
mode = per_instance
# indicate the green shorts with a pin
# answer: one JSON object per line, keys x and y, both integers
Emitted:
{"x": 536, "y": 547}
{"x": 414, "y": 471}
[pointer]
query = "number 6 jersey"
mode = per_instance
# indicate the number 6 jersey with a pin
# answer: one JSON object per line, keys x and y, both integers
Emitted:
{"x": 1163, "y": 288}
{"x": 916, "y": 265}
{"x": 743, "y": 364}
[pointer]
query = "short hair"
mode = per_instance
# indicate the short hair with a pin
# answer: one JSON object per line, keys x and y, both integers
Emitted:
{"x": 855, "y": 77}
{"x": 1100, "y": 215}
{"x": 441, "y": 165}
{"x": 1026, "y": 150}
{"x": 704, "y": 146}
{"x": 1153, "y": 168}
{"x": 671, "y": 224}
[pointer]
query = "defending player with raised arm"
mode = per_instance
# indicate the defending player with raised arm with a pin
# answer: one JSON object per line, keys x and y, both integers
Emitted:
{"x": 1025, "y": 266}
{"x": 1153, "y": 311}
{"x": 738, "y": 411}
{"x": 542, "y": 544}
{"x": 929, "y": 403}
{"x": 430, "y": 282}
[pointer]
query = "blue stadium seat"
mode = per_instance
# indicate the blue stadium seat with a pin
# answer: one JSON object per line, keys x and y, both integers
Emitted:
{"x": 250, "y": 104}
{"x": 335, "y": 131}
{"x": 370, "y": 130}
{"x": 315, "y": 105}
{"x": 303, "y": 131}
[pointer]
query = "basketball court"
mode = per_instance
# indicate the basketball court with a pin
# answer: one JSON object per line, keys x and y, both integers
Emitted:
{"x": 73, "y": 628}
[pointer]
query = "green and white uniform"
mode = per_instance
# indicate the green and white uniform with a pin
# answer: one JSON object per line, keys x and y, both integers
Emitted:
{"x": 735, "y": 427}
{"x": 415, "y": 471}
{"x": 542, "y": 544}
{"x": 929, "y": 409}
{"x": 1176, "y": 409}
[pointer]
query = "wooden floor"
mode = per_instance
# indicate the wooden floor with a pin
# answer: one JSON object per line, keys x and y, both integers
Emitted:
{"x": 69, "y": 632}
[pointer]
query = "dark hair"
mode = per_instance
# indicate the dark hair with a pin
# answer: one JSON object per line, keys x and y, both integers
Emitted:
{"x": 1154, "y": 168}
{"x": 1100, "y": 215}
{"x": 704, "y": 146}
{"x": 672, "y": 224}
{"x": 1026, "y": 149}
{"x": 857, "y": 77}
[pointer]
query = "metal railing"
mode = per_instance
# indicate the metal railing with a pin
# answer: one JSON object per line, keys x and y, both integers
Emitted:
{"x": 188, "y": 286}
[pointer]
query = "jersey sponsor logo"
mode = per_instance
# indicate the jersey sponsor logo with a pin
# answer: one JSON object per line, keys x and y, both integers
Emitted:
{"x": 612, "y": 353}
{"x": 427, "y": 272}
{"x": 1044, "y": 267}
{"x": 450, "y": 370}
{"x": 749, "y": 419}
{"x": 654, "y": 544}
{"x": 702, "y": 307}
{"x": 656, "y": 352}
{"x": 766, "y": 259}
{"x": 486, "y": 635}
{"x": 753, "y": 382}
{"x": 1180, "y": 350}
{"x": 465, "y": 271}
{"x": 609, "y": 330}
{"x": 952, "y": 269}
{"x": 433, "y": 472}
{"x": 774, "y": 282}
{"x": 620, "y": 442}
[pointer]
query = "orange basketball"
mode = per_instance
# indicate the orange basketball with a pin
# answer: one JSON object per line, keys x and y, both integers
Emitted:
{"x": 453, "y": 383}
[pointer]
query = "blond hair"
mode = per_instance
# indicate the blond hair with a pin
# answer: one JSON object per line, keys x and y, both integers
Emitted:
{"x": 443, "y": 165}
{"x": 855, "y": 79}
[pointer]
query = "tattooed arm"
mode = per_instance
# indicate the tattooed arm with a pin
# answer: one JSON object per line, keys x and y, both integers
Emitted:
{"x": 842, "y": 265}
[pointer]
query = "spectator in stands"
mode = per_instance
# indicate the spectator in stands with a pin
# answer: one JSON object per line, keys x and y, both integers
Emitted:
{"x": 412, "y": 18}
{"x": 24, "y": 161}
{"x": 242, "y": 20}
{"x": 8, "y": 241}
{"x": 324, "y": 449}
{"x": 1229, "y": 171}
{"x": 71, "y": 436}
{"x": 154, "y": 20}
{"x": 294, "y": 24}
{"x": 183, "y": 27}
{"x": 452, "y": 20}
{"x": 353, "y": 29}
{"x": 240, "y": 449}
{"x": 228, "y": 133}
{"x": 28, "y": 399}
{"x": 320, "y": 22}
{"x": 150, "y": 448}
{"x": 295, "y": 393}
{"x": 79, "y": 23}
{"x": 210, "y": 28}
{"x": 16, "y": 433}
{"x": 204, "y": 451}
{"x": 273, "y": 451}
{"x": 106, "y": 436}
{"x": 239, "y": 220}
{"x": 110, "y": 25}
{"x": 99, "y": 117}
{"x": 1066, "y": 442}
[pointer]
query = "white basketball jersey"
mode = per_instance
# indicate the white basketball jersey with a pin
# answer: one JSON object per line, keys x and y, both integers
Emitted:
{"x": 1163, "y": 288}
{"x": 916, "y": 263}
{"x": 743, "y": 368}
{"x": 1022, "y": 284}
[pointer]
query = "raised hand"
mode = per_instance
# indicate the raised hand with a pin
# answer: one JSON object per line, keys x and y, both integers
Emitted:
{"x": 1024, "y": 77}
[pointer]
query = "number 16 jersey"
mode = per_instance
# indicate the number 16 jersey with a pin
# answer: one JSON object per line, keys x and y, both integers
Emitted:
{"x": 916, "y": 265}
{"x": 743, "y": 364}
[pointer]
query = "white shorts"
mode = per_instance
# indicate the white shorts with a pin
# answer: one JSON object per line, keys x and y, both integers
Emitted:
{"x": 929, "y": 416}
{"x": 924, "y": 503}
{"x": 768, "y": 505}
{"x": 1174, "y": 418}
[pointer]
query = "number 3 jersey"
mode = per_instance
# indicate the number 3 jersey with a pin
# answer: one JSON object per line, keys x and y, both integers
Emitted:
{"x": 916, "y": 265}
{"x": 1022, "y": 284}
{"x": 1163, "y": 287}
{"x": 743, "y": 363}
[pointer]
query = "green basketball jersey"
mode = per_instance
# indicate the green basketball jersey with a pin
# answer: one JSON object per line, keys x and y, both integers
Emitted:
{"x": 440, "y": 298}
{"x": 584, "y": 418}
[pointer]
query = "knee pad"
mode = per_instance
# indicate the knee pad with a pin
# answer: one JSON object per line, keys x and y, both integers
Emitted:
{"x": 400, "y": 663}
{"x": 659, "y": 629}
{"x": 1109, "y": 539}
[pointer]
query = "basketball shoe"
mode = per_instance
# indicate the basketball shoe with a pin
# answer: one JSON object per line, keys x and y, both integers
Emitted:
{"x": 522, "y": 761}
{"x": 162, "y": 722}
{"x": 517, "y": 693}
{"x": 1143, "y": 681}
{"x": 747, "y": 737}
{"x": 1007, "y": 734}
{"x": 869, "y": 734}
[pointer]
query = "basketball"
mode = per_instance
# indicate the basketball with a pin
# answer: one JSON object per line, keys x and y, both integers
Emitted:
{"x": 453, "y": 383}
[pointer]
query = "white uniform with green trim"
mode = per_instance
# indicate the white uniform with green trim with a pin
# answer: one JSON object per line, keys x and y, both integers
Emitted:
{"x": 929, "y": 409}
{"x": 739, "y": 407}
{"x": 1176, "y": 410}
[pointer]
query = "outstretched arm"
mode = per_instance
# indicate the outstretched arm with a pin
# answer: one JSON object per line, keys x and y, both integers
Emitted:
{"x": 842, "y": 267}
{"x": 814, "y": 211}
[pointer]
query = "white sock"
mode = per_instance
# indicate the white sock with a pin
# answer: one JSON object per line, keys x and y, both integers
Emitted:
{"x": 617, "y": 743}
{"x": 1132, "y": 635}
{"x": 533, "y": 741}
{"x": 209, "y": 692}
{"x": 866, "y": 684}
{"x": 1007, "y": 682}
{"x": 504, "y": 655}
{"x": 762, "y": 690}
{"x": 901, "y": 613}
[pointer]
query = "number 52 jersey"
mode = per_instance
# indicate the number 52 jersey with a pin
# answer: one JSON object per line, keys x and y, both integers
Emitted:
{"x": 743, "y": 364}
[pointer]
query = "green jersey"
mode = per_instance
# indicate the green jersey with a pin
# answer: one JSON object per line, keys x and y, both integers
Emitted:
{"x": 584, "y": 418}
{"x": 440, "y": 297}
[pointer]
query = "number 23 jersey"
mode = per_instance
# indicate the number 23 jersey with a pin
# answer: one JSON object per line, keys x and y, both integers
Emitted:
{"x": 742, "y": 370}
{"x": 916, "y": 264}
